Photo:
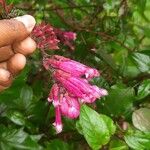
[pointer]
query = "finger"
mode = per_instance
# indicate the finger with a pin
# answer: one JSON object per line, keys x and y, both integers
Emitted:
{"x": 6, "y": 53}
{"x": 14, "y": 30}
{"x": 3, "y": 65}
{"x": 16, "y": 64}
{"x": 5, "y": 79}
{"x": 25, "y": 47}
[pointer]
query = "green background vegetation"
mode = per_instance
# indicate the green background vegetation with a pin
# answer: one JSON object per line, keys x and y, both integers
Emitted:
{"x": 119, "y": 33}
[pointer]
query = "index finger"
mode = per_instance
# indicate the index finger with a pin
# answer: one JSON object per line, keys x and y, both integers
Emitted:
{"x": 13, "y": 30}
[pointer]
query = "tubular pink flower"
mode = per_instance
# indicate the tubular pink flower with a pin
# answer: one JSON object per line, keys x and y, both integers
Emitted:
{"x": 63, "y": 105}
{"x": 58, "y": 122}
{"x": 78, "y": 87}
{"x": 70, "y": 107}
{"x": 70, "y": 66}
{"x": 51, "y": 94}
{"x": 70, "y": 35}
{"x": 54, "y": 95}
{"x": 65, "y": 38}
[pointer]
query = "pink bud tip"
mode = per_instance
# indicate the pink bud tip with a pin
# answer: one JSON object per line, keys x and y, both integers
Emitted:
{"x": 56, "y": 103}
{"x": 58, "y": 127}
{"x": 49, "y": 100}
{"x": 104, "y": 92}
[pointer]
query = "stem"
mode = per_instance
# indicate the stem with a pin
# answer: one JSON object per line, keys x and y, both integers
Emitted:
{"x": 57, "y": 8}
{"x": 105, "y": 36}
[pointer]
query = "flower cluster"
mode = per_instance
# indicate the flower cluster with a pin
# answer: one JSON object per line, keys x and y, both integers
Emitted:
{"x": 48, "y": 37}
{"x": 72, "y": 87}
{"x": 45, "y": 37}
{"x": 66, "y": 38}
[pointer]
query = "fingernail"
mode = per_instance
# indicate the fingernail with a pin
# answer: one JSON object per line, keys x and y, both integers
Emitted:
{"x": 28, "y": 21}
{"x": 4, "y": 75}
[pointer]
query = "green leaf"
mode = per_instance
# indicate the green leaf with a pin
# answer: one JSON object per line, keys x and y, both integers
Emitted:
{"x": 141, "y": 119}
{"x": 100, "y": 82}
{"x": 138, "y": 140}
{"x": 117, "y": 144}
{"x": 38, "y": 111}
{"x": 107, "y": 58}
{"x": 17, "y": 139}
{"x": 146, "y": 30}
{"x": 142, "y": 61}
{"x": 79, "y": 127}
{"x": 127, "y": 67}
{"x": 57, "y": 145}
{"x": 97, "y": 129}
{"x": 38, "y": 89}
{"x": 144, "y": 89}
{"x": 109, "y": 123}
{"x": 16, "y": 117}
{"x": 141, "y": 5}
{"x": 26, "y": 96}
{"x": 118, "y": 102}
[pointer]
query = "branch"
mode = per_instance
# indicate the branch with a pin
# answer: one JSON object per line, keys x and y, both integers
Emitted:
{"x": 56, "y": 8}
{"x": 105, "y": 36}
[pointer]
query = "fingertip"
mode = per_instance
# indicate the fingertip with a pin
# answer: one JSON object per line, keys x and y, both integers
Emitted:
{"x": 16, "y": 63}
{"x": 4, "y": 75}
{"x": 28, "y": 21}
{"x": 6, "y": 53}
{"x": 25, "y": 47}
{"x": 5, "y": 78}
{"x": 3, "y": 65}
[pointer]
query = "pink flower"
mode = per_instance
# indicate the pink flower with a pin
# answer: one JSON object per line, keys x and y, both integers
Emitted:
{"x": 70, "y": 106}
{"x": 66, "y": 38}
{"x": 45, "y": 37}
{"x": 70, "y": 66}
{"x": 48, "y": 37}
{"x": 79, "y": 87}
{"x": 70, "y": 35}
{"x": 58, "y": 122}
{"x": 54, "y": 95}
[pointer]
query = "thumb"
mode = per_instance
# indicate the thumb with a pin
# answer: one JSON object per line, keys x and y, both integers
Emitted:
{"x": 14, "y": 30}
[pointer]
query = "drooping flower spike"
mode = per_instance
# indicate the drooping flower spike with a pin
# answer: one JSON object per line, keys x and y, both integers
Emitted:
{"x": 72, "y": 86}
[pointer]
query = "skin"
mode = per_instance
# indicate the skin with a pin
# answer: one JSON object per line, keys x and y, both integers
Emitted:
{"x": 15, "y": 45}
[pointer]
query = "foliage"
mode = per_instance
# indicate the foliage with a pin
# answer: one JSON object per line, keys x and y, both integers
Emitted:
{"x": 112, "y": 36}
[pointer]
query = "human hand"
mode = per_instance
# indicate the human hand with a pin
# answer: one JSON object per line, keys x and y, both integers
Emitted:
{"x": 15, "y": 44}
